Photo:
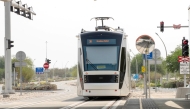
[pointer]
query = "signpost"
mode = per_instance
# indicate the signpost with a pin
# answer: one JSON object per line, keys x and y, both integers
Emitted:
{"x": 135, "y": 76}
{"x": 184, "y": 66}
{"x": 143, "y": 69}
{"x": 46, "y": 66}
{"x": 148, "y": 56}
{"x": 39, "y": 70}
{"x": 20, "y": 56}
{"x": 145, "y": 45}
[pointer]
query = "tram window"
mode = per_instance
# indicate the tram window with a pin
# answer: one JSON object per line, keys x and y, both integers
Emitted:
{"x": 101, "y": 57}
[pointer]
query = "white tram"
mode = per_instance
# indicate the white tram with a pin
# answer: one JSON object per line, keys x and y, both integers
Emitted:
{"x": 103, "y": 63}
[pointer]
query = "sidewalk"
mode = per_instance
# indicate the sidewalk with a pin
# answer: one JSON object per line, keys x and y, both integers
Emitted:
{"x": 25, "y": 95}
{"x": 160, "y": 93}
{"x": 162, "y": 99}
{"x": 30, "y": 94}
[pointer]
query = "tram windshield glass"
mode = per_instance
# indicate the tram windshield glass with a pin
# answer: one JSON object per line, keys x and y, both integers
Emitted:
{"x": 101, "y": 50}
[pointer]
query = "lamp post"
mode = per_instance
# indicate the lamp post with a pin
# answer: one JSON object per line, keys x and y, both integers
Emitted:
{"x": 34, "y": 68}
{"x": 166, "y": 52}
{"x": 136, "y": 62}
{"x": 65, "y": 70}
{"x": 53, "y": 69}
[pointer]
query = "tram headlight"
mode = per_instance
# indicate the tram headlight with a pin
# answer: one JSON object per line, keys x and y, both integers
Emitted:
{"x": 84, "y": 78}
{"x": 116, "y": 78}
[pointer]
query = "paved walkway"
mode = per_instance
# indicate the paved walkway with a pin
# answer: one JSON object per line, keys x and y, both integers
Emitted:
{"x": 162, "y": 99}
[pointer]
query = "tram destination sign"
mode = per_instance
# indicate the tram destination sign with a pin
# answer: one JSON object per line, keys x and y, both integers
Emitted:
{"x": 100, "y": 41}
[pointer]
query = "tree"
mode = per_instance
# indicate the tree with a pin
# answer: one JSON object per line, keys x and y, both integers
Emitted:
{"x": 27, "y": 71}
{"x": 2, "y": 67}
{"x": 139, "y": 57}
{"x": 74, "y": 71}
{"x": 139, "y": 63}
{"x": 172, "y": 63}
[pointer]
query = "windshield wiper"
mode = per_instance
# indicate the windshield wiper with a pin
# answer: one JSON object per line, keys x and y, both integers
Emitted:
{"x": 91, "y": 64}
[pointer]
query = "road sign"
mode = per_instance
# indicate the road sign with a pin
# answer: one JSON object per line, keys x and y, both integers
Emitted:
{"x": 46, "y": 65}
{"x": 153, "y": 61}
{"x": 143, "y": 69}
{"x": 135, "y": 76}
{"x": 140, "y": 76}
{"x": 183, "y": 59}
{"x": 20, "y": 55}
{"x": 184, "y": 67}
{"x": 20, "y": 64}
{"x": 149, "y": 56}
{"x": 39, "y": 70}
{"x": 156, "y": 52}
{"x": 176, "y": 26}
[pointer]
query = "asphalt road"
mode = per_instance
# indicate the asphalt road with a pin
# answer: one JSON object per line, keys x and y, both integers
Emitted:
{"x": 64, "y": 98}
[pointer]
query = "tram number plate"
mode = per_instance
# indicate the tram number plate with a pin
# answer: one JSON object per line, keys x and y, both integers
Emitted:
{"x": 101, "y": 67}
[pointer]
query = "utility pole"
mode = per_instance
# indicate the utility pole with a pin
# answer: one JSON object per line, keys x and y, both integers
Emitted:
{"x": 65, "y": 70}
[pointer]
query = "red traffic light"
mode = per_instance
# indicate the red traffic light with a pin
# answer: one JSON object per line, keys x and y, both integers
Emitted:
{"x": 185, "y": 42}
{"x": 162, "y": 26}
{"x": 161, "y": 23}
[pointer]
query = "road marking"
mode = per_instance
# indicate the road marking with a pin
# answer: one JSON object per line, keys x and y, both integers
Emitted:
{"x": 173, "y": 104}
{"x": 79, "y": 105}
{"x": 72, "y": 105}
{"x": 140, "y": 103}
{"x": 115, "y": 105}
{"x": 38, "y": 102}
{"x": 108, "y": 104}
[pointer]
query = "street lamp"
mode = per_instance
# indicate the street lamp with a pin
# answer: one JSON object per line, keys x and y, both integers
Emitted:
{"x": 65, "y": 70}
{"x": 33, "y": 63}
{"x": 34, "y": 67}
{"x": 166, "y": 53}
{"x": 136, "y": 62}
{"x": 53, "y": 69}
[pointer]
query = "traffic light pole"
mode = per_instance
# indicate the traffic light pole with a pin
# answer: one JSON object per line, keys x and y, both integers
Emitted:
{"x": 171, "y": 26}
{"x": 8, "y": 70}
{"x": 7, "y": 42}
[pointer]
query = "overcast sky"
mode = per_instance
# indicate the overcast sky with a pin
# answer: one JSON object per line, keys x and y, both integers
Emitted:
{"x": 59, "y": 21}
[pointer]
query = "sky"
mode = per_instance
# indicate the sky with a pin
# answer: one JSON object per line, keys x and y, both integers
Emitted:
{"x": 52, "y": 32}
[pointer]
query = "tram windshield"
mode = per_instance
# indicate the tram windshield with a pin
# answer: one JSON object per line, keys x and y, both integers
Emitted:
{"x": 101, "y": 53}
{"x": 101, "y": 58}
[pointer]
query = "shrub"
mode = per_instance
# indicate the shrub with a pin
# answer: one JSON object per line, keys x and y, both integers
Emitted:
{"x": 44, "y": 86}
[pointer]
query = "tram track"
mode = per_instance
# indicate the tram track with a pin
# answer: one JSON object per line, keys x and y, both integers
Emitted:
{"x": 77, "y": 104}
{"x": 113, "y": 104}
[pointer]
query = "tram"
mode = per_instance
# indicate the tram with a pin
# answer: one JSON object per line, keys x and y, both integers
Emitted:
{"x": 103, "y": 63}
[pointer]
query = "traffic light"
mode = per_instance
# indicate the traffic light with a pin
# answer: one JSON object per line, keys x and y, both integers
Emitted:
{"x": 185, "y": 48}
{"x": 162, "y": 26}
{"x": 24, "y": 11}
{"x": 48, "y": 61}
{"x": 10, "y": 44}
{"x": 17, "y": 9}
{"x": 28, "y": 14}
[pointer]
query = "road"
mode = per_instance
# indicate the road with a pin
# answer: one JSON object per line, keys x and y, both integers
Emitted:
{"x": 65, "y": 98}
